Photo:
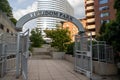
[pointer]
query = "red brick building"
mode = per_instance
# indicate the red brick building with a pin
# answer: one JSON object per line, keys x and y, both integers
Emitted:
{"x": 97, "y": 12}
{"x": 72, "y": 29}
{"x": 104, "y": 12}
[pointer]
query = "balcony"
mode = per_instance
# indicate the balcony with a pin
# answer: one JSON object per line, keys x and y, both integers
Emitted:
{"x": 92, "y": 33}
{"x": 90, "y": 2}
{"x": 90, "y": 8}
{"x": 91, "y": 20}
{"x": 90, "y": 14}
{"x": 91, "y": 27}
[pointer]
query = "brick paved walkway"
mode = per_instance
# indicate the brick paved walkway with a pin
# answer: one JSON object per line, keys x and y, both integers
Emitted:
{"x": 48, "y": 70}
{"x": 52, "y": 70}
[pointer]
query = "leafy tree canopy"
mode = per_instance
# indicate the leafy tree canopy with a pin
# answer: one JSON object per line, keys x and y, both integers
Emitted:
{"x": 6, "y": 8}
{"x": 60, "y": 38}
{"x": 111, "y": 32}
{"x": 36, "y": 38}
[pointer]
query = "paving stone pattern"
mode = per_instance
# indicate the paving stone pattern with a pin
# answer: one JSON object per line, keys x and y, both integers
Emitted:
{"x": 48, "y": 69}
{"x": 53, "y": 70}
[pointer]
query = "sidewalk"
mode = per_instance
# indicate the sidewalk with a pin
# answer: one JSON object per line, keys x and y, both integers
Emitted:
{"x": 98, "y": 77}
{"x": 48, "y": 69}
{"x": 53, "y": 70}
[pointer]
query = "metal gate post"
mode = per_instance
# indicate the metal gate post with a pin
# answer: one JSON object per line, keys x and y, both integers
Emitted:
{"x": 5, "y": 59}
{"x": 75, "y": 46}
{"x": 18, "y": 56}
{"x": 91, "y": 56}
{"x": 83, "y": 55}
{"x": 3, "y": 71}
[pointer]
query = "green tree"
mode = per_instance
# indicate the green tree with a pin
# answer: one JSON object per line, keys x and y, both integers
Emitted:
{"x": 13, "y": 20}
{"x": 36, "y": 38}
{"x": 111, "y": 32}
{"x": 70, "y": 48}
{"x": 6, "y": 8}
{"x": 117, "y": 7}
{"x": 60, "y": 38}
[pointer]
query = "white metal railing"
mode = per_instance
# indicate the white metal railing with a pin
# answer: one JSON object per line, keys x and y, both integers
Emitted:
{"x": 8, "y": 45}
{"x": 83, "y": 54}
{"x": 90, "y": 1}
{"x": 102, "y": 52}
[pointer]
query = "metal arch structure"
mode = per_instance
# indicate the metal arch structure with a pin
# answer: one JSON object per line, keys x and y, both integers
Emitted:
{"x": 82, "y": 53}
{"x": 48, "y": 13}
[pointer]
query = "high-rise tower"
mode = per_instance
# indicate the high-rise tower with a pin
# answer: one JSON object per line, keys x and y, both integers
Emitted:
{"x": 55, "y": 5}
{"x": 90, "y": 16}
{"x": 97, "y": 12}
{"x": 104, "y": 12}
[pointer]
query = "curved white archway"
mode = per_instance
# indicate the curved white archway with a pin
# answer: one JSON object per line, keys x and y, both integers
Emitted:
{"x": 48, "y": 13}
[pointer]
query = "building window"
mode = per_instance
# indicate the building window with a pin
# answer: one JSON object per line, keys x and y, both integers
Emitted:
{"x": 105, "y": 21}
{"x": 1, "y": 26}
{"x": 103, "y": 1}
{"x": 105, "y": 14}
{"x": 103, "y": 8}
{"x": 11, "y": 33}
{"x": 8, "y": 31}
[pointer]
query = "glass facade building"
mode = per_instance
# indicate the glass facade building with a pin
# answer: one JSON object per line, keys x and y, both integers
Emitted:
{"x": 55, "y": 5}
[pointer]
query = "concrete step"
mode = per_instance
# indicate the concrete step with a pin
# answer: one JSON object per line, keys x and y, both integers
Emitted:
{"x": 37, "y": 57}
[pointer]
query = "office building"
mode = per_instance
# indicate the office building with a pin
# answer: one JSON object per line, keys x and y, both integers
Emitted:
{"x": 97, "y": 12}
{"x": 72, "y": 29}
{"x": 104, "y": 12}
{"x": 90, "y": 17}
{"x": 55, "y": 5}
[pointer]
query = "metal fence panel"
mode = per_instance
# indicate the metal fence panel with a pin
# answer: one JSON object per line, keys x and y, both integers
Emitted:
{"x": 83, "y": 56}
{"x": 102, "y": 52}
{"x": 24, "y": 67}
{"x": 24, "y": 53}
{"x": 7, "y": 50}
{"x": 14, "y": 53}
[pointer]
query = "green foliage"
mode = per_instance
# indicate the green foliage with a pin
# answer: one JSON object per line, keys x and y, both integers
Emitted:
{"x": 70, "y": 48}
{"x": 111, "y": 33}
{"x": 117, "y": 7}
{"x": 5, "y": 7}
{"x": 36, "y": 38}
{"x": 117, "y": 4}
{"x": 102, "y": 29}
{"x": 60, "y": 38}
{"x": 13, "y": 20}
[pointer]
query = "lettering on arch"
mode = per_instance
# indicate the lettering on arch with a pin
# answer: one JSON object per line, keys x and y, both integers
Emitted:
{"x": 48, "y": 13}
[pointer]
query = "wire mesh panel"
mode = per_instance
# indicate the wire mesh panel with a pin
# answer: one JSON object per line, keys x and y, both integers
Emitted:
{"x": 24, "y": 53}
{"x": 102, "y": 52}
{"x": 8, "y": 45}
{"x": 14, "y": 53}
{"x": 83, "y": 57}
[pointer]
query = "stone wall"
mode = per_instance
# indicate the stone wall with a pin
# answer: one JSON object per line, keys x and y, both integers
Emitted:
{"x": 7, "y": 24}
{"x": 100, "y": 68}
{"x": 69, "y": 58}
{"x": 103, "y": 68}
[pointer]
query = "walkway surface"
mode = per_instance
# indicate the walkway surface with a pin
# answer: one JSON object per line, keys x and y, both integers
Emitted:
{"x": 53, "y": 70}
{"x": 48, "y": 69}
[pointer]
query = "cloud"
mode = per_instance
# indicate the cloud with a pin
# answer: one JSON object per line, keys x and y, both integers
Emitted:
{"x": 78, "y": 6}
{"x": 21, "y": 12}
{"x": 20, "y": 1}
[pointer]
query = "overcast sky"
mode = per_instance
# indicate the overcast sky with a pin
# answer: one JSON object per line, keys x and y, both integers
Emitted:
{"x": 22, "y": 7}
